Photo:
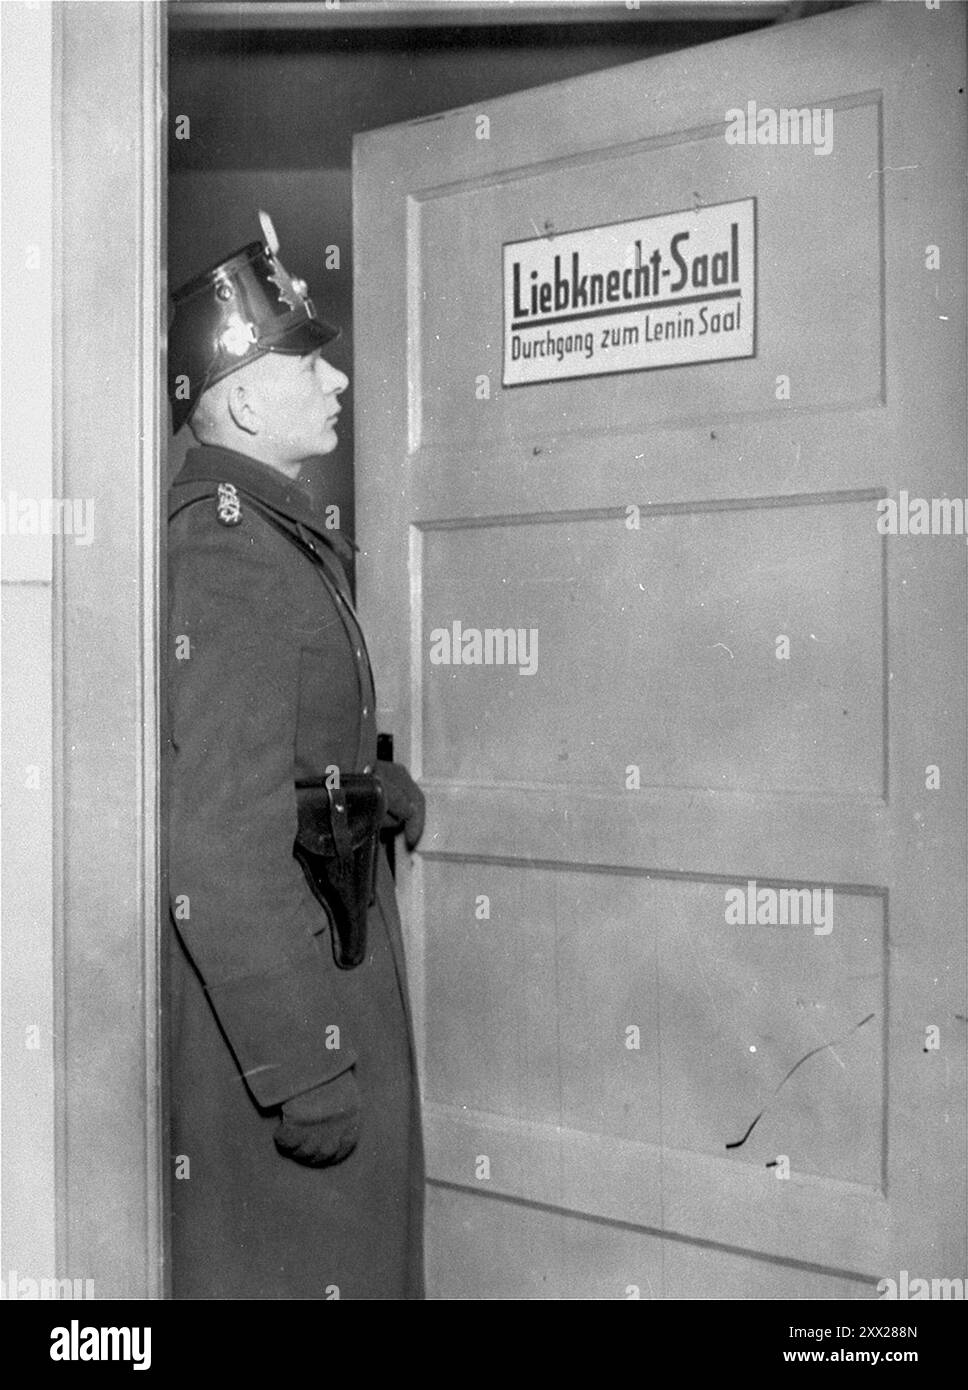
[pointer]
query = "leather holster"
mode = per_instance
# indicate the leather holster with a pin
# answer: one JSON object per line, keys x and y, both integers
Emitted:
{"x": 337, "y": 844}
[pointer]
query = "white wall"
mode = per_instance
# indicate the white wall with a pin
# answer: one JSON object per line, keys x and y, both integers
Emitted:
{"x": 28, "y": 1008}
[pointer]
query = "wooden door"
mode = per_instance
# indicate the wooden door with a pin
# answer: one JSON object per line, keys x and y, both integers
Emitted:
{"x": 737, "y": 677}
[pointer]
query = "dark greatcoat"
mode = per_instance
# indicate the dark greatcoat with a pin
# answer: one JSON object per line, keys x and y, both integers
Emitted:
{"x": 274, "y": 685}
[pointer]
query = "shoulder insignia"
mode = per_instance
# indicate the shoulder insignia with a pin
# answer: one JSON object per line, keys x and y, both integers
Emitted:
{"x": 229, "y": 506}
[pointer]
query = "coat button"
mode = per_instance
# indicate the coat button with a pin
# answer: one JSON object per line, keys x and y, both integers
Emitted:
{"x": 368, "y": 768}
{"x": 366, "y": 710}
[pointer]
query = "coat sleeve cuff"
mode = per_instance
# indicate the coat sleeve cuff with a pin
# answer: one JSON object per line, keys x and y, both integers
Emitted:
{"x": 278, "y": 1027}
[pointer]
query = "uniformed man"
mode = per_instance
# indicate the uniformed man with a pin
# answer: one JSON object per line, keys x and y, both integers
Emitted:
{"x": 297, "y": 1167}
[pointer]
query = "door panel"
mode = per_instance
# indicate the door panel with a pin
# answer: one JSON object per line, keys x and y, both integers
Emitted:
{"x": 596, "y": 1035}
{"x": 636, "y": 677}
{"x": 576, "y": 1259}
{"x": 836, "y": 351}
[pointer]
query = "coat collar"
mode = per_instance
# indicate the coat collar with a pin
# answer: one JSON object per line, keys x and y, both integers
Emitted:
{"x": 214, "y": 464}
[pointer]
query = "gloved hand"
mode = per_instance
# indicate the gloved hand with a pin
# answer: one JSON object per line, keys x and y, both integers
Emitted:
{"x": 406, "y": 808}
{"x": 321, "y": 1126}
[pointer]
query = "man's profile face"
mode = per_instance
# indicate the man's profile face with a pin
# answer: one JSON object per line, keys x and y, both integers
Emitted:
{"x": 298, "y": 402}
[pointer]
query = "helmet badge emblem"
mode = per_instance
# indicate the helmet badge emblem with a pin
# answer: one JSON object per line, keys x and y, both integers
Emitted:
{"x": 291, "y": 293}
{"x": 237, "y": 336}
{"x": 288, "y": 291}
{"x": 269, "y": 232}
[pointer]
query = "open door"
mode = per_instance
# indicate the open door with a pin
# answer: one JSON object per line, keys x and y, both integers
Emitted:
{"x": 723, "y": 671}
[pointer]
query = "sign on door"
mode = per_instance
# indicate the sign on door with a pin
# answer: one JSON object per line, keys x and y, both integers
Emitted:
{"x": 662, "y": 291}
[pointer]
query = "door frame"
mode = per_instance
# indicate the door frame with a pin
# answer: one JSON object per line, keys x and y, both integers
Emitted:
{"x": 110, "y": 1140}
{"x": 85, "y": 1123}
